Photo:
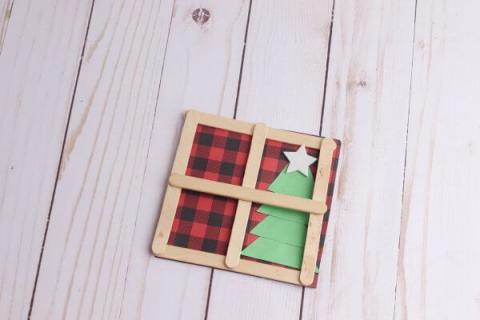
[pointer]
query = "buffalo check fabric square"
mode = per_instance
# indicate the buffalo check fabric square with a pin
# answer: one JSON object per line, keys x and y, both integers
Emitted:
{"x": 219, "y": 155}
{"x": 202, "y": 221}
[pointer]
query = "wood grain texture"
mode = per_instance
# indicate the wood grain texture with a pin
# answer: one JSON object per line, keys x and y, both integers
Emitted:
{"x": 201, "y": 71}
{"x": 232, "y": 191}
{"x": 172, "y": 195}
{"x": 39, "y": 60}
{"x": 402, "y": 241}
{"x": 439, "y": 253}
{"x": 6, "y": 7}
{"x": 282, "y": 86}
{"x": 88, "y": 244}
{"x": 97, "y": 261}
{"x": 367, "y": 108}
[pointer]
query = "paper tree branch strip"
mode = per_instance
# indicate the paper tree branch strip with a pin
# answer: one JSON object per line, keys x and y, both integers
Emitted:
{"x": 320, "y": 191}
{"x": 284, "y": 213}
{"x": 248, "y": 194}
{"x": 243, "y": 207}
{"x": 278, "y": 232}
{"x": 281, "y": 230}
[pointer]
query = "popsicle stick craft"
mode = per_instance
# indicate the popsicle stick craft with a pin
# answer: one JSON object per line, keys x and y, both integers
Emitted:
{"x": 248, "y": 198}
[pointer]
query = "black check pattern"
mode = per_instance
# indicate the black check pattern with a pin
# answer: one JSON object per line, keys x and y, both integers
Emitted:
{"x": 202, "y": 221}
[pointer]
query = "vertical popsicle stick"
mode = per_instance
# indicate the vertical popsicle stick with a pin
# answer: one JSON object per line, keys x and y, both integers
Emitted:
{"x": 320, "y": 191}
{"x": 243, "y": 207}
{"x": 172, "y": 194}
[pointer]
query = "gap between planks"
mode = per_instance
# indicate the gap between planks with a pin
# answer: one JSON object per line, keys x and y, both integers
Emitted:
{"x": 237, "y": 97}
{"x": 400, "y": 236}
{"x": 32, "y": 299}
{"x": 325, "y": 85}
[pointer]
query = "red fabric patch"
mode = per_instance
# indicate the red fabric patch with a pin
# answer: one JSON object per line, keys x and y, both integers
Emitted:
{"x": 204, "y": 222}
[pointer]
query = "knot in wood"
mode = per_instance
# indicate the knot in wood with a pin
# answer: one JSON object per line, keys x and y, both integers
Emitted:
{"x": 200, "y": 15}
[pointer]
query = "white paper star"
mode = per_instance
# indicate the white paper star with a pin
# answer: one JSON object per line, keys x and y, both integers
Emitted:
{"x": 299, "y": 160}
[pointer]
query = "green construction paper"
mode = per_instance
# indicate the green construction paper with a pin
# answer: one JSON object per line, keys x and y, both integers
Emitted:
{"x": 281, "y": 230}
{"x": 285, "y": 214}
{"x": 282, "y": 233}
{"x": 293, "y": 183}
{"x": 277, "y": 252}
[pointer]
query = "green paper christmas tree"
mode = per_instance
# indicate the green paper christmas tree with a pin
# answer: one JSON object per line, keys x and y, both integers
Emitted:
{"x": 281, "y": 235}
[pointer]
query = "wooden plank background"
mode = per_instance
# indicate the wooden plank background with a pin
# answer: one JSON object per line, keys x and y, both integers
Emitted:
{"x": 91, "y": 101}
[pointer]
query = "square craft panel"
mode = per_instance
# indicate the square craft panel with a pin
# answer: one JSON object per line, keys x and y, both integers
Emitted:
{"x": 220, "y": 177}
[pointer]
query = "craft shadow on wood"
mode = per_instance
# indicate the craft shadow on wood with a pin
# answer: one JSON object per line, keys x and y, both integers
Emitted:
{"x": 219, "y": 209}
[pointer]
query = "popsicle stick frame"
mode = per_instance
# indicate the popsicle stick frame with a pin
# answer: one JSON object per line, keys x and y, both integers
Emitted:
{"x": 246, "y": 194}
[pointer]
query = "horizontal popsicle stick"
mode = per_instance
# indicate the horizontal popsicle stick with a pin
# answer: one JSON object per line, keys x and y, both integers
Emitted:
{"x": 247, "y": 194}
{"x": 214, "y": 260}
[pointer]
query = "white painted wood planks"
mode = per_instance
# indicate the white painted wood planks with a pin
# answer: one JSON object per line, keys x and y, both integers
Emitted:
{"x": 40, "y": 50}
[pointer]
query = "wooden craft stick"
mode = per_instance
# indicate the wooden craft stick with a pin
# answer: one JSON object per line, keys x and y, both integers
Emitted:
{"x": 225, "y": 123}
{"x": 294, "y": 138}
{"x": 314, "y": 230}
{"x": 247, "y": 128}
{"x": 314, "y": 207}
{"x": 245, "y": 266}
{"x": 243, "y": 207}
{"x": 172, "y": 194}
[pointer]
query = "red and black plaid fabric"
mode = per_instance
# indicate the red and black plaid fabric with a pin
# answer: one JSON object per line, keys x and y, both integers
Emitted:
{"x": 219, "y": 155}
{"x": 202, "y": 221}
